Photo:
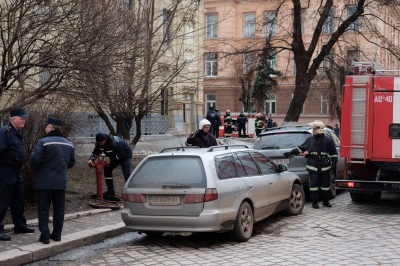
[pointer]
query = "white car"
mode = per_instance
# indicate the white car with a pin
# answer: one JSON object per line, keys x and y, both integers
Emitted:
{"x": 221, "y": 188}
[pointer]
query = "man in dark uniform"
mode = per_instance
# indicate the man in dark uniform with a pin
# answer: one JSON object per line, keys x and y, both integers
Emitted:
{"x": 119, "y": 153}
{"x": 202, "y": 138}
{"x": 214, "y": 119}
{"x": 259, "y": 124}
{"x": 242, "y": 120}
{"x": 12, "y": 158}
{"x": 228, "y": 124}
{"x": 322, "y": 159}
{"x": 51, "y": 158}
{"x": 219, "y": 124}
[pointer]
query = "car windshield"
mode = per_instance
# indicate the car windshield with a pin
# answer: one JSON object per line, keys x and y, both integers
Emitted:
{"x": 283, "y": 140}
{"x": 170, "y": 172}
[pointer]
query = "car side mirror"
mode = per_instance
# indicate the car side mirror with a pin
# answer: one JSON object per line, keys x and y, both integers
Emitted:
{"x": 281, "y": 168}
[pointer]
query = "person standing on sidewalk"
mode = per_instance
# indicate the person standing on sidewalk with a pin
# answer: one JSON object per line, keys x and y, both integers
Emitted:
{"x": 322, "y": 159}
{"x": 12, "y": 159}
{"x": 242, "y": 121}
{"x": 202, "y": 137}
{"x": 228, "y": 123}
{"x": 51, "y": 158}
{"x": 215, "y": 120}
{"x": 259, "y": 124}
{"x": 119, "y": 152}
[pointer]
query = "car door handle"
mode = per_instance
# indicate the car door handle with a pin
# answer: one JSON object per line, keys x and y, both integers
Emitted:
{"x": 251, "y": 187}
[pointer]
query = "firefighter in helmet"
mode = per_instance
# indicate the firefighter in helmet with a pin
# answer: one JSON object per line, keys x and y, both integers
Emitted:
{"x": 322, "y": 159}
{"x": 259, "y": 124}
{"x": 228, "y": 124}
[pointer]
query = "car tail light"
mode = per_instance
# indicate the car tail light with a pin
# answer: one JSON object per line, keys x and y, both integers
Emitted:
{"x": 210, "y": 195}
{"x": 136, "y": 198}
{"x": 345, "y": 184}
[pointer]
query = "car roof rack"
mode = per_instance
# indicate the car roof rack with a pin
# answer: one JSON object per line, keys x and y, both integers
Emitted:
{"x": 226, "y": 147}
{"x": 178, "y": 148}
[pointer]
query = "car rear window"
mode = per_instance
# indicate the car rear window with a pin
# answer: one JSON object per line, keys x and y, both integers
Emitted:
{"x": 284, "y": 140}
{"x": 174, "y": 171}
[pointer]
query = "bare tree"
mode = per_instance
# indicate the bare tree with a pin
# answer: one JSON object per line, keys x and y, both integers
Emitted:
{"x": 146, "y": 51}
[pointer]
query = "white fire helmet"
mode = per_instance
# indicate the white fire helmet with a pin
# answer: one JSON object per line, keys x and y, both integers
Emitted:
{"x": 259, "y": 114}
{"x": 204, "y": 122}
{"x": 319, "y": 125}
{"x": 228, "y": 111}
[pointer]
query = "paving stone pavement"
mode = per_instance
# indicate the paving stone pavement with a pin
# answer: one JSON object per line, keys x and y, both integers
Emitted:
{"x": 346, "y": 234}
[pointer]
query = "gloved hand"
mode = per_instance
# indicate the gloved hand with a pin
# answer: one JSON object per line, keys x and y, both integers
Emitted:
{"x": 90, "y": 163}
{"x": 287, "y": 154}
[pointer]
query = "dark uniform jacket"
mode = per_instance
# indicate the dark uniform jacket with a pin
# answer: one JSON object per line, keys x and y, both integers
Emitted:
{"x": 114, "y": 148}
{"x": 214, "y": 118}
{"x": 241, "y": 119}
{"x": 228, "y": 120}
{"x": 50, "y": 159}
{"x": 202, "y": 140}
{"x": 322, "y": 153}
{"x": 12, "y": 153}
{"x": 259, "y": 123}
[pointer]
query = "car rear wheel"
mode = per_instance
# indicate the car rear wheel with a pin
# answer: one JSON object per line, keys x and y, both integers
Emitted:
{"x": 357, "y": 197}
{"x": 296, "y": 201}
{"x": 244, "y": 223}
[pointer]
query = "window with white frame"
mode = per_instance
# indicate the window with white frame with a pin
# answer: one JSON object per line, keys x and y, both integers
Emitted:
{"x": 329, "y": 24}
{"x": 302, "y": 109}
{"x": 303, "y": 21}
{"x": 326, "y": 64}
{"x": 211, "y": 26}
{"x": 350, "y": 11}
{"x": 44, "y": 73}
{"x": 166, "y": 26}
{"x": 272, "y": 62}
{"x": 43, "y": 7}
{"x": 249, "y": 25}
{"x": 294, "y": 69}
{"x": 211, "y": 65}
{"x": 352, "y": 56}
{"x": 270, "y": 24}
{"x": 270, "y": 104}
{"x": 248, "y": 62}
{"x": 211, "y": 100}
{"x": 324, "y": 104}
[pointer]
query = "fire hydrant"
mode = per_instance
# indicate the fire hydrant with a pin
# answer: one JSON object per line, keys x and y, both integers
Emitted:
{"x": 98, "y": 164}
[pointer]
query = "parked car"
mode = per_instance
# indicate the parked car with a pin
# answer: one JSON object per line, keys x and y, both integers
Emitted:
{"x": 216, "y": 189}
{"x": 276, "y": 141}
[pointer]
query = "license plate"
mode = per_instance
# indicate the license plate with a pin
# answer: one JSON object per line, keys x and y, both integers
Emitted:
{"x": 164, "y": 200}
{"x": 281, "y": 161}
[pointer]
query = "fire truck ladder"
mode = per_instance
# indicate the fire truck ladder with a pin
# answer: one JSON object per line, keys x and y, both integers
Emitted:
{"x": 358, "y": 120}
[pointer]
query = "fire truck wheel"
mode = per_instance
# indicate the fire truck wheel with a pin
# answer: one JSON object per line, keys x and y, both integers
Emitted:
{"x": 357, "y": 197}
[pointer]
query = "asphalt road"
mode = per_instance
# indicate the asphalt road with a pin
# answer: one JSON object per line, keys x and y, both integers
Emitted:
{"x": 346, "y": 234}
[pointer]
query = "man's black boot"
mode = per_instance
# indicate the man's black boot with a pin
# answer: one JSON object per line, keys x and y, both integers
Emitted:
{"x": 4, "y": 237}
{"x": 326, "y": 203}
{"x": 110, "y": 187}
{"x": 315, "y": 204}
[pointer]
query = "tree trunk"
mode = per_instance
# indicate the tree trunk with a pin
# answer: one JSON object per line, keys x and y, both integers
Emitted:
{"x": 303, "y": 82}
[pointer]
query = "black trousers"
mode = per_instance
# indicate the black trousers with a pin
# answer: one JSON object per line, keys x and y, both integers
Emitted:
{"x": 242, "y": 128}
{"x": 320, "y": 186}
{"x": 125, "y": 166}
{"x": 12, "y": 195}
{"x": 228, "y": 131}
{"x": 258, "y": 131}
{"x": 45, "y": 198}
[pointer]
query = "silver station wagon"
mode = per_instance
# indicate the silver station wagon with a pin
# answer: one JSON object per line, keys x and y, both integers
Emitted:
{"x": 216, "y": 189}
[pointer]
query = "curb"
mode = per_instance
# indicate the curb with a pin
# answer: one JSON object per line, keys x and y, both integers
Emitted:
{"x": 38, "y": 251}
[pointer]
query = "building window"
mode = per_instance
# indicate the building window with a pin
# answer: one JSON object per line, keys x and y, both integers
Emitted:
{"x": 211, "y": 100}
{"x": 350, "y": 11}
{"x": 270, "y": 104}
{"x": 211, "y": 26}
{"x": 324, "y": 104}
{"x": 272, "y": 62}
{"x": 43, "y": 6}
{"x": 248, "y": 63}
{"x": 164, "y": 101}
{"x": 302, "y": 109}
{"x": 352, "y": 56}
{"x": 326, "y": 64}
{"x": 329, "y": 24}
{"x": 303, "y": 21}
{"x": 44, "y": 72}
{"x": 270, "y": 24}
{"x": 166, "y": 26}
{"x": 211, "y": 64}
{"x": 249, "y": 25}
{"x": 294, "y": 69}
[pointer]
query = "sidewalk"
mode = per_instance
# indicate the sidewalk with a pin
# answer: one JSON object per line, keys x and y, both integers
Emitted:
{"x": 80, "y": 229}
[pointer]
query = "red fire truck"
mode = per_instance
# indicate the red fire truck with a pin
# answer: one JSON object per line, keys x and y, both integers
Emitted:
{"x": 370, "y": 132}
